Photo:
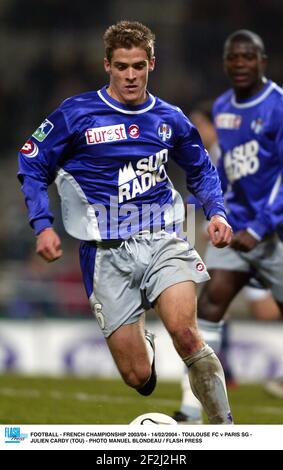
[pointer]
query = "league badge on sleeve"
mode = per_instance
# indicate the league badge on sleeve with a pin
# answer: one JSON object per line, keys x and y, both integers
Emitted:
{"x": 43, "y": 130}
{"x": 29, "y": 149}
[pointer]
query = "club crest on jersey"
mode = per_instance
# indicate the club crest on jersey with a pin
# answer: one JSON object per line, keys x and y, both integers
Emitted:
{"x": 257, "y": 125}
{"x": 164, "y": 131}
{"x": 105, "y": 134}
{"x": 228, "y": 121}
{"x": 29, "y": 149}
{"x": 134, "y": 131}
{"x": 43, "y": 130}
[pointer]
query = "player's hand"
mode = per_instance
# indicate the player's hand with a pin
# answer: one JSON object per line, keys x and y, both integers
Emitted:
{"x": 48, "y": 245}
{"x": 219, "y": 231}
{"x": 243, "y": 241}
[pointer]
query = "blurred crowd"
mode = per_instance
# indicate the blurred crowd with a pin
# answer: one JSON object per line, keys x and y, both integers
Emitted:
{"x": 53, "y": 49}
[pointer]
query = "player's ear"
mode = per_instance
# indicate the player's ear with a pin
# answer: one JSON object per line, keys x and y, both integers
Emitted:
{"x": 107, "y": 65}
{"x": 151, "y": 64}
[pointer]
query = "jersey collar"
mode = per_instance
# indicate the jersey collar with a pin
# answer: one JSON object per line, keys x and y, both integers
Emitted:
{"x": 124, "y": 108}
{"x": 256, "y": 99}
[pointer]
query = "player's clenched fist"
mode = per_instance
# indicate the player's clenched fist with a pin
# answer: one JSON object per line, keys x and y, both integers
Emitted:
{"x": 220, "y": 232}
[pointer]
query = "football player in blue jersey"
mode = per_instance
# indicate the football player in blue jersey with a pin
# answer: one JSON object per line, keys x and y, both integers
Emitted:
{"x": 108, "y": 151}
{"x": 249, "y": 123}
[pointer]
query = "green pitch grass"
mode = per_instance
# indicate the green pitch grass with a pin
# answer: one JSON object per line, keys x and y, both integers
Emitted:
{"x": 40, "y": 400}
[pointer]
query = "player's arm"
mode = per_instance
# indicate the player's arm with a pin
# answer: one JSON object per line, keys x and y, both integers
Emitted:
{"x": 48, "y": 244}
{"x": 268, "y": 221}
{"x": 203, "y": 182}
{"x": 270, "y": 217}
{"x": 38, "y": 161}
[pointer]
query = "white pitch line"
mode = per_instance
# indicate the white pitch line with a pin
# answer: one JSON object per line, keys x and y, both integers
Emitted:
{"x": 80, "y": 396}
{"x": 83, "y": 396}
{"x": 269, "y": 409}
{"x": 13, "y": 392}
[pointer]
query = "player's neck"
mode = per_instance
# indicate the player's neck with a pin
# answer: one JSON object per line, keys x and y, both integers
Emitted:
{"x": 115, "y": 95}
{"x": 243, "y": 94}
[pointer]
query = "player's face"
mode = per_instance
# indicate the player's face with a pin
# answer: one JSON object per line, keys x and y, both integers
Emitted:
{"x": 244, "y": 66}
{"x": 128, "y": 71}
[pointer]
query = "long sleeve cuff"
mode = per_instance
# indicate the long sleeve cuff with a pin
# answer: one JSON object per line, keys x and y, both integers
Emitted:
{"x": 259, "y": 230}
{"x": 217, "y": 212}
{"x": 253, "y": 234}
{"x": 40, "y": 224}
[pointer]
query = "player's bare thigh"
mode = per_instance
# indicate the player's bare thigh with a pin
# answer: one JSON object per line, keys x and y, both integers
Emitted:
{"x": 176, "y": 307}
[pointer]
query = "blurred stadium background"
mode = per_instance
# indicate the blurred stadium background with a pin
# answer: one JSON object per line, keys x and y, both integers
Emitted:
{"x": 52, "y": 49}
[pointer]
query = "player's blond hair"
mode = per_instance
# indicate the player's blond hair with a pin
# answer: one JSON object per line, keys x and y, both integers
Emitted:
{"x": 128, "y": 34}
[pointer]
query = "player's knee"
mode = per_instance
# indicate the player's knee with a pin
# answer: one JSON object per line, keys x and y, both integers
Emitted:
{"x": 138, "y": 376}
{"x": 187, "y": 339}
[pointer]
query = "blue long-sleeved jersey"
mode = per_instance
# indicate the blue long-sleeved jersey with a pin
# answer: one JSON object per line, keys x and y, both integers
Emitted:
{"x": 250, "y": 135}
{"x": 109, "y": 161}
